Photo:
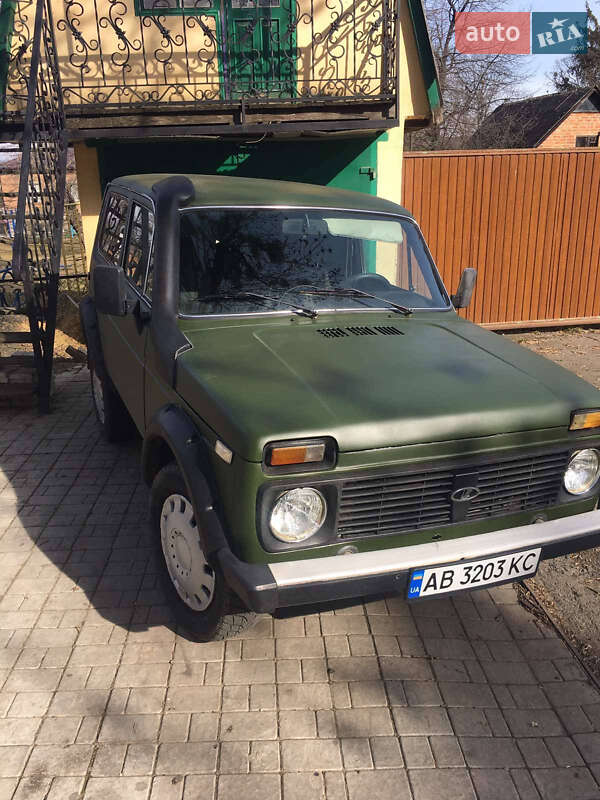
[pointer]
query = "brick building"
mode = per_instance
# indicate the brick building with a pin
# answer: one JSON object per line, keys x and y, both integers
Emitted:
{"x": 564, "y": 119}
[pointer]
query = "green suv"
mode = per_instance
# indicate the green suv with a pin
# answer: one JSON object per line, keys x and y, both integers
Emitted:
{"x": 318, "y": 423}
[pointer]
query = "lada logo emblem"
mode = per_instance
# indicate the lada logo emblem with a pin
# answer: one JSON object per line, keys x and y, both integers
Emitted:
{"x": 465, "y": 494}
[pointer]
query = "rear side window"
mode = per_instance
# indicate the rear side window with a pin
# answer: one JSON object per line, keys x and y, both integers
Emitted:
{"x": 112, "y": 236}
{"x": 139, "y": 245}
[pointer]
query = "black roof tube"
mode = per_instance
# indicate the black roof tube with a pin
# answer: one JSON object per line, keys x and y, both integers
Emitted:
{"x": 169, "y": 195}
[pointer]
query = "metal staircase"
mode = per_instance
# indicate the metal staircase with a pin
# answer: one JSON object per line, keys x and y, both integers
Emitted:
{"x": 40, "y": 205}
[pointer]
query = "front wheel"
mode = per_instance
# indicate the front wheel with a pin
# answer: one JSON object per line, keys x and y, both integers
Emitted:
{"x": 201, "y": 600}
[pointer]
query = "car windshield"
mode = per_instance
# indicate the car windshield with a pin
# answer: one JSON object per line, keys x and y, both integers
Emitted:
{"x": 240, "y": 261}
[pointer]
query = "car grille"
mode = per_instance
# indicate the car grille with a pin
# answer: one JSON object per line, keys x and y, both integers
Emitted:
{"x": 414, "y": 501}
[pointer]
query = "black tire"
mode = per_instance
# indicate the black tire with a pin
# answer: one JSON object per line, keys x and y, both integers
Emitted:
{"x": 225, "y": 616}
{"x": 113, "y": 417}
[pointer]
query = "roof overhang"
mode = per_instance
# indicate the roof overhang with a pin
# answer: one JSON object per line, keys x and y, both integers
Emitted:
{"x": 426, "y": 59}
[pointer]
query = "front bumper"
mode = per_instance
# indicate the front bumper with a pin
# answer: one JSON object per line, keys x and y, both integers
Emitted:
{"x": 267, "y": 587}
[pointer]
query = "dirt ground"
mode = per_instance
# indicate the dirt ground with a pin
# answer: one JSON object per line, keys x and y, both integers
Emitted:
{"x": 568, "y": 588}
{"x": 68, "y": 334}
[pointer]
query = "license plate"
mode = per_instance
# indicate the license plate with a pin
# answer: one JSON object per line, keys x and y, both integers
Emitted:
{"x": 467, "y": 575}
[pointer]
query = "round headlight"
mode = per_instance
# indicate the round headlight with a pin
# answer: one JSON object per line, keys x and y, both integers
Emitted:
{"x": 298, "y": 514}
{"x": 582, "y": 472}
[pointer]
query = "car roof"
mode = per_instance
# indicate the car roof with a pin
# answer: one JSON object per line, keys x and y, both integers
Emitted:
{"x": 219, "y": 190}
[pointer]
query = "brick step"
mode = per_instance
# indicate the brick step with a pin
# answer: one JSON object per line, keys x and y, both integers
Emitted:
{"x": 10, "y": 391}
{"x": 15, "y": 337}
{"x": 20, "y": 360}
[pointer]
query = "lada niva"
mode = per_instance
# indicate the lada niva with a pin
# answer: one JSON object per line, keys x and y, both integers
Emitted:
{"x": 318, "y": 422}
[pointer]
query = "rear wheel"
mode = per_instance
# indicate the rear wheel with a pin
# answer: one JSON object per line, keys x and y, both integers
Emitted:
{"x": 110, "y": 410}
{"x": 201, "y": 600}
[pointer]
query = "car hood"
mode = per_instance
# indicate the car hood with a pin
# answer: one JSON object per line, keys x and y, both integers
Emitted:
{"x": 439, "y": 378}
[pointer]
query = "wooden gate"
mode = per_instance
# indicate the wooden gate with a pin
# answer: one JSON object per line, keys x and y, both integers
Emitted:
{"x": 528, "y": 220}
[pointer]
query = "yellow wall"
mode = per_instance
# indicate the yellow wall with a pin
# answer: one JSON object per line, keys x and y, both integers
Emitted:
{"x": 145, "y": 67}
{"x": 411, "y": 89}
{"x": 90, "y": 192}
{"x": 339, "y": 46}
{"x": 389, "y": 164}
{"x": 339, "y": 52}
{"x": 412, "y": 102}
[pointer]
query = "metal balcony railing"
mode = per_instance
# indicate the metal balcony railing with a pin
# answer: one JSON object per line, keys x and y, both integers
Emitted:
{"x": 159, "y": 54}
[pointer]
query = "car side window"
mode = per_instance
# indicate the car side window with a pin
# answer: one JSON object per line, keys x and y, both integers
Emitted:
{"x": 114, "y": 226}
{"x": 139, "y": 245}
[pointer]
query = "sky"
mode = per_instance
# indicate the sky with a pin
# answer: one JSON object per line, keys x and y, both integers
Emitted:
{"x": 542, "y": 65}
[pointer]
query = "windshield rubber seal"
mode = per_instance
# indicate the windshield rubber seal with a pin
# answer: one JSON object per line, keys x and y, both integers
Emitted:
{"x": 284, "y": 312}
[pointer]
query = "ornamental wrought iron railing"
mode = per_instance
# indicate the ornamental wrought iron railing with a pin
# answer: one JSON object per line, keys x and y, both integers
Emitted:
{"x": 153, "y": 53}
{"x": 40, "y": 204}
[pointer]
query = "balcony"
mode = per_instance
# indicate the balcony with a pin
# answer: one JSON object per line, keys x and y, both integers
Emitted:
{"x": 129, "y": 64}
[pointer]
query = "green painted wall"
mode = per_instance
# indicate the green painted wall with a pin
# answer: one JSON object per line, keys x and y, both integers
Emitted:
{"x": 7, "y": 13}
{"x": 349, "y": 163}
{"x": 346, "y": 163}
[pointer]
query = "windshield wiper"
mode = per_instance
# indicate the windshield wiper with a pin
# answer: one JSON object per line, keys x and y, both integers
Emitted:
{"x": 300, "y": 310}
{"x": 351, "y": 292}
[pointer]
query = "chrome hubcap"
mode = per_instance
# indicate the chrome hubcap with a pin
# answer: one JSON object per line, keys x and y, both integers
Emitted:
{"x": 98, "y": 395}
{"x": 192, "y": 576}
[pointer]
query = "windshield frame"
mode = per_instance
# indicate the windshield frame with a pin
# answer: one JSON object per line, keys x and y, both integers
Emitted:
{"x": 352, "y": 211}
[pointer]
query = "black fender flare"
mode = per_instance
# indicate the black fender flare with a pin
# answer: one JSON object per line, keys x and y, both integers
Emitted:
{"x": 173, "y": 427}
{"x": 91, "y": 333}
{"x": 253, "y": 583}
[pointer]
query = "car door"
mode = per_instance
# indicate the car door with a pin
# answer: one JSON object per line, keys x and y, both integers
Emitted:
{"x": 126, "y": 239}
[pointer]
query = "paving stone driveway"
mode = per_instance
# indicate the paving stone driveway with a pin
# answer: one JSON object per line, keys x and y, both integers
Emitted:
{"x": 462, "y": 698}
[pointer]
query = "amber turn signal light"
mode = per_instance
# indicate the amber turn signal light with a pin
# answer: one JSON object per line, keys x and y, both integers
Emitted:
{"x": 580, "y": 420}
{"x": 299, "y": 454}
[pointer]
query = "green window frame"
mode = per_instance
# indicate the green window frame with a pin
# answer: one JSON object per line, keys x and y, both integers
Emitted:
{"x": 146, "y": 8}
{"x": 7, "y": 14}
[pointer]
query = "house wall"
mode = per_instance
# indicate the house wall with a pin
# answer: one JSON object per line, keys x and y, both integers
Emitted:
{"x": 348, "y": 162}
{"x": 119, "y": 57}
{"x": 412, "y": 102}
{"x": 90, "y": 192}
{"x": 372, "y": 164}
{"x": 576, "y": 124}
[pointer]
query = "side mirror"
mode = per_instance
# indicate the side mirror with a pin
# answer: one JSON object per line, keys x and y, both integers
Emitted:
{"x": 110, "y": 290}
{"x": 462, "y": 298}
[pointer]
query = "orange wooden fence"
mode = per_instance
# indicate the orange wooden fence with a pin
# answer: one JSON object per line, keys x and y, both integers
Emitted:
{"x": 528, "y": 220}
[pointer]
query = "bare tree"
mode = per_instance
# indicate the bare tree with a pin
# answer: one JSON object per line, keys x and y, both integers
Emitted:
{"x": 472, "y": 85}
{"x": 508, "y": 126}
